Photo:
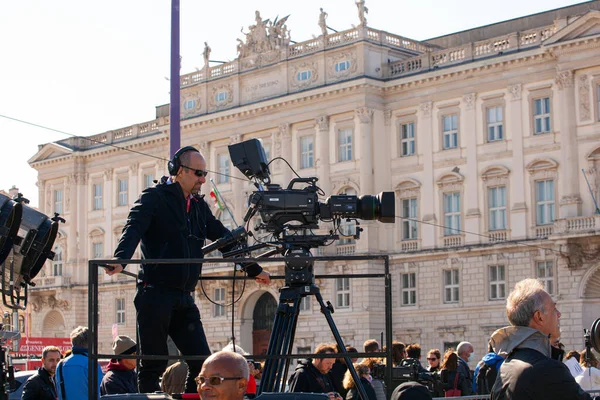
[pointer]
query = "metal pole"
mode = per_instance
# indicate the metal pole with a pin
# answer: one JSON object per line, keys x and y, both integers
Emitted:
{"x": 174, "y": 113}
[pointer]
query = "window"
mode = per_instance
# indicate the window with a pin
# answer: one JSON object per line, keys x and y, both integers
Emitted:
{"x": 342, "y": 66}
{"x": 545, "y": 273}
{"x": 267, "y": 149}
{"x": 409, "y": 289}
{"x": 148, "y": 180}
{"x": 450, "y": 345}
{"x": 189, "y": 104}
{"x": 450, "y": 131}
{"x": 97, "y": 187}
{"x": 497, "y": 282}
{"x": 120, "y": 306}
{"x": 223, "y": 168}
{"x": 306, "y": 152}
{"x": 451, "y": 286}
{"x": 305, "y": 303}
{"x": 221, "y": 96}
{"x": 495, "y": 126}
{"x": 57, "y": 263}
{"x": 407, "y": 139}
{"x": 541, "y": 115}
{"x": 544, "y": 201}
{"x": 58, "y": 201}
{"x": 451, "y": 214}
{"x": 123, "y": 184}
{"x": 497, "y": 208}
{"x": 345, "y": 145}
{"x": 304, "y": 75}
{"x": 409, "y": 221}
{"x": 98, "y": 250}
{"x": 219, "y": 310}
{"x": 343, "y": 292}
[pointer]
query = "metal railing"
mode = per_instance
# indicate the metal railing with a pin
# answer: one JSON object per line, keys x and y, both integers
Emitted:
{"x": 93, "y": 307}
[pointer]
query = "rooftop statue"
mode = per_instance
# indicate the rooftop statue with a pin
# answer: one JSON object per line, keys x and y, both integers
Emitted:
{"x": 362, "y": 10}
{"x": 263, "y": 36}
{"x": 323, "y": 22}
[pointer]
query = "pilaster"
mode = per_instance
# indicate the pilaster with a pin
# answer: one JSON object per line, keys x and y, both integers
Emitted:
{"x": 424, "y": 133}
{"x": 469, "y": 134}
{"x": 322, "y": 150}
{"x": 364, "y": 118}
{"x": 570, "y": 198}
{"x": 514, "y": 128}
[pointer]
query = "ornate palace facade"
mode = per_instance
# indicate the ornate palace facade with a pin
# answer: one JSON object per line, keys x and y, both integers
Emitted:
{"x": 482, "y": 135}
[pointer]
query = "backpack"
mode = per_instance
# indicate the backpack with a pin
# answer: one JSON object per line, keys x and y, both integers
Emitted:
{"x": 486, "y": 378}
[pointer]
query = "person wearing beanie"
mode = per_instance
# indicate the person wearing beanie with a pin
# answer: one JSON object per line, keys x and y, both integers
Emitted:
{"x": 120, "y": 376}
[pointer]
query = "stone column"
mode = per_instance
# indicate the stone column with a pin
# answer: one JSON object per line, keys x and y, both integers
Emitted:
{"x": 71, "y": 199}
{"x": 41, "y": 184}
{"x": 285, "y": 137}
{"x": 204, "y": 149}
{"x": 322, "y": 150}
{"x": 514, "y": 130}
{"x": 469, "y": 128}
{"x": 364, "y": 149}
{"x": 570, "y": 198}
{"x": 427, "y": 212}
{"x": 82, "y": 249}
{"x": 237, "y": 186}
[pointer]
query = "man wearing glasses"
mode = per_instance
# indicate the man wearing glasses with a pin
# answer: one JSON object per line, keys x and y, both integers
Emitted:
{"x": 172, "y": 222}
{"x": 224, "y": 376}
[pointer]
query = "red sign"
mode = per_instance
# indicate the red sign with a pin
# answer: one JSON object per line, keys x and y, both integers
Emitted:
{"x": 33, "y": 346}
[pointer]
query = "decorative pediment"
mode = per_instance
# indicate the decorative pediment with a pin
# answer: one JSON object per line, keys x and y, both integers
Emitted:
{"x": 540, "y": 164}
{"x": 594, "y": 155}
{"x": 48, "y": 152}
{"x": 408, "y": 187}
{"x": 97, "y": 232}
{"x": 450, "y": 181}
{"x": 495, "y": 175}
{"x": 584, "y": 27}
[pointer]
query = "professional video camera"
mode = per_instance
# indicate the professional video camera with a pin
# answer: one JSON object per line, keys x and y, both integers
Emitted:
{"x": 298, "y": 209}
{"x": 292, "y": 212}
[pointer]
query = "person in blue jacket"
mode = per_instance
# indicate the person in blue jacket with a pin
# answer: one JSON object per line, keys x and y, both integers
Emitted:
{"x": 172, "y": 222}
{"x": 489, "y": 367}
{"x": 72, "y": 372}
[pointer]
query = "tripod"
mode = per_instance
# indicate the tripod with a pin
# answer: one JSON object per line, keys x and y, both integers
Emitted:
{"x": 284, "y": 329}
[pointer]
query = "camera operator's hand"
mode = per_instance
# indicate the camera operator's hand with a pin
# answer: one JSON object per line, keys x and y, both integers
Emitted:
{"x": 113, "y": 269}
{"x": 334, "y": 396}
{"x": 264, "y": 278}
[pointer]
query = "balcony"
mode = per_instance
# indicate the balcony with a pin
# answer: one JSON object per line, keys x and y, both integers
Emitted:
{"x": 576, "y": 225}
{"x": 498, "y": 236}
{"x": 410, "y": 245}
{"x": 52, "y": 281}
{"x": 543, "y": 231}
{"x": 345, "y": 249}
{"x": 452, "y": 241}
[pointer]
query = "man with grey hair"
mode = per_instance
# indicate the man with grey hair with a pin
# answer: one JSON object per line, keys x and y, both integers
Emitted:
{"x": 530, "y": 371}
{"x": 224, "y": 376}
{"x": 466, "y": 353}
{"x": 72, "y": 372}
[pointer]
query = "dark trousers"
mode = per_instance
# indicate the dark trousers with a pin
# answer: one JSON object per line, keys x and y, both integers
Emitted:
{"x": 163, "y": 312}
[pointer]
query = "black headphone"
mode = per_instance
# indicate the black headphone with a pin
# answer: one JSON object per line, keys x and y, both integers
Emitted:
{"x": 174, "y": 163}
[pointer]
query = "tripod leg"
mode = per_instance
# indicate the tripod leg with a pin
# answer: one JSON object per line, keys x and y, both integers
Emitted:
{"x": 340, "y": 343}
{"x": 266, "y": 383}
{"x": 288, "y": 345}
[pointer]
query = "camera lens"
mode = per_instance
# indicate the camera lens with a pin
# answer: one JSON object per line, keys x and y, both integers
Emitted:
{"x": 381, "y": 207}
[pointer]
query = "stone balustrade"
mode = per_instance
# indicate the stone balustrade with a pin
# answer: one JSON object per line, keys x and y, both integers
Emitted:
{"x": 345, "y": 249}
{"x": 410, "y": 245}
{"x": 473, "y": 51}
{"x": 452, "y": 241}
{"x": 123, "y": 134}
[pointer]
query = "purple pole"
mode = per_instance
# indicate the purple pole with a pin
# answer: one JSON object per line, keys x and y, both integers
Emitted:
{"x": 174, "y": 113}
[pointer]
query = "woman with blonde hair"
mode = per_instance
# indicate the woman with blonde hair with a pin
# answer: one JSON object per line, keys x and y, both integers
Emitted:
{"x": 364, "y": 374}
{"x": 589, "y": 379}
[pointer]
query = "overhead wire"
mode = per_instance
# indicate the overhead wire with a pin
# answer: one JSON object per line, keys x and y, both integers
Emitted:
{"x": 518, "y": 242}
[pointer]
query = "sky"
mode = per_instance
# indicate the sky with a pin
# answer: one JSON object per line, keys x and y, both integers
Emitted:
{"x": 86, "y": 67}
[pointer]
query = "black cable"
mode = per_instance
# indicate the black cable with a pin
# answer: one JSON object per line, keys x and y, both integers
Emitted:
{"x": 285, "y": 161}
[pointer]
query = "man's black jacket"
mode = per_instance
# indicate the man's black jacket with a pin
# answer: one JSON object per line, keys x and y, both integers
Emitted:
{"x": 308, "y": 379}
{"x": 39, "y": 386}
{"x": 528, "y": 373}
{"x": 167, "y": 231}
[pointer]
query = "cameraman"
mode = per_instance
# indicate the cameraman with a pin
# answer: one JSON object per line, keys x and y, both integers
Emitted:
{"x": 172, "y": 222}
{"x": 530, "y": 371}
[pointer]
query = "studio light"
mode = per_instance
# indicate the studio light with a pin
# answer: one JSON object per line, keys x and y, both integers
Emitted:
{"x": 26, "y": 240}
